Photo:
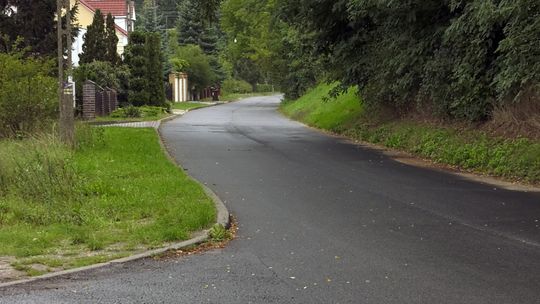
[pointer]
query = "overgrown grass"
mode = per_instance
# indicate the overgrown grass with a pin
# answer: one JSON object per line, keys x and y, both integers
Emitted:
{"x": 115, "y": 193}
{"x": 517, "y": 159}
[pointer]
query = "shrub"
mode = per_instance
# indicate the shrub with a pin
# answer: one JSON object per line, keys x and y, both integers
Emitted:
{"x": 27, "y": 94}
{"x": 192, "y": 60}
{"x": 135, "y": 58}
{"x": 105, "y": 75}
{"x": 234, "y": 86}
{"x": 136, "y": 112}
{"x": 127, "y": 112}
{"x": 263, "y": 88}
{"x": 154, "y": 70}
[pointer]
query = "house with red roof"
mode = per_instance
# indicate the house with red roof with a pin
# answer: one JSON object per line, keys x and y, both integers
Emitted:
{"x": 123, "y": 12}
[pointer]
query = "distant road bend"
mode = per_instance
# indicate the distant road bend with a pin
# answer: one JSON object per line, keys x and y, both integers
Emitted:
{"x": 323, "y": 220}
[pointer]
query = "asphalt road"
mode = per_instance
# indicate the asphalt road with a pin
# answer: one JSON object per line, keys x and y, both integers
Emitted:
{"x": 323, "y": 220}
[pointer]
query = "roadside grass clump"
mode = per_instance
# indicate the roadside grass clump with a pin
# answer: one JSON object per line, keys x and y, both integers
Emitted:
{"x": 235, "y": 86}
{"x": 132, "y": 113}
{"x": 467, "y": 148}
{"x": 114, "y": 193}
{"x": 219, "y": 233}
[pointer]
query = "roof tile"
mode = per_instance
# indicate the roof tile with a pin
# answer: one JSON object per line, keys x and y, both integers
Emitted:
{"x": 115, "y": 7}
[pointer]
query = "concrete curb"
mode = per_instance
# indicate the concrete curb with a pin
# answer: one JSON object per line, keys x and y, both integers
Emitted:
{"x": 222, "y": 218}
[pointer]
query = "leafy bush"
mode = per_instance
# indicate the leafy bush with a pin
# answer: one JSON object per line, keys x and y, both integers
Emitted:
{"x": 105, "y": 75}
{"x": 234, "y": 86}
{"x": 263, "y": 88}
{"x": 192, "y": 60}
{"x": 136, "y": 112}
{"x": 28, "y": 95}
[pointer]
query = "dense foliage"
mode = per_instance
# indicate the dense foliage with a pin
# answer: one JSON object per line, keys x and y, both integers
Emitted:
{"x": 233, "y": 86}
{"x": 192, "y": 60}
{"x": 27, "y": 94}
{"x": 254, "y": 40}
{"x": 457, "y": 59}
{"x": 104, "y": 74}
{"x": 33, "y": 23}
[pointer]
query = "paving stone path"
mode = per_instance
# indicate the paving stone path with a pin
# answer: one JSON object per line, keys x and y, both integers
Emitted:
{"x": 143, "y": 124}
{"x": 139, "y": 124}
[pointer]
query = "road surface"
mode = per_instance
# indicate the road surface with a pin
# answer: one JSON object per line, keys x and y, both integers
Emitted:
{"x": 323, "y": 220}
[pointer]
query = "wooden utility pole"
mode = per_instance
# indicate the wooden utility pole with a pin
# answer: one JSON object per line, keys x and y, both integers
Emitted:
{"x": 65, "y": 87}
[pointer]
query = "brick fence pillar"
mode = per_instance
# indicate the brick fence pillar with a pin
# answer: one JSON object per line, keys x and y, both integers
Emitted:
{"x": 106, "y": 101}
{"x": 114, "y": 101}
{"x": 89, "y": 100}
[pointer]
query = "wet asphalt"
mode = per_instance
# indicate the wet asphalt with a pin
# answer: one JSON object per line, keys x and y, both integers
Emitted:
{"x": 323, "y": 220}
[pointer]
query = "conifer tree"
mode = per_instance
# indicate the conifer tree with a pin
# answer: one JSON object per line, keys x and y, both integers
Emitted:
{"x": 154, "y": 70}
{"x": 168, "y": 9}
{"x": 94, "y": 47}
{"x": 34, "y": 22}
{"x": 111, "y": 41}
{"x": 136, "y": 60}
{"x": 190, "y": 27}
{"x": 150, "y": 18}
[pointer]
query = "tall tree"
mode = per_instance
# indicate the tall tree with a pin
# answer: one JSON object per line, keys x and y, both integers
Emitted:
{"x": 34, "y": 22}
{"x": 150, "y": 18}
{"x": 111, "y": 41}
{"x": 94, "y": 47}
{"x": 154, "y": 70}
{"x": 168, "y": 9}
{"x": 190, "y": 27}
{"x": 254, "y": 39}
{"x": 136, "y": 59}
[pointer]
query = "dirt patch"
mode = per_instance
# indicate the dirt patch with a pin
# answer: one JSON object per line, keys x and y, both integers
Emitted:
{"x": 8, "y": 272}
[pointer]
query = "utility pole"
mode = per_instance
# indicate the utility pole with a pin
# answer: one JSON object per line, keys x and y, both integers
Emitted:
{"x": 65, "y": 88}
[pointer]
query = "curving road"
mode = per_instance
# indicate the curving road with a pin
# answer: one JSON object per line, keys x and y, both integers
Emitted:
{"x": 324, "y": 221}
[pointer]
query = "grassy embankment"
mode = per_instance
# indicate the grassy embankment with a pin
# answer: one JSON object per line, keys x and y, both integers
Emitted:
{"x": 115, "y": 194}
{"x": 469, "y": 149}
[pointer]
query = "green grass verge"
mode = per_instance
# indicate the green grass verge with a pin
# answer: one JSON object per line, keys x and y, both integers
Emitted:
{"x": 188, "y": 105}
{"x": 516, "y": 159}
{"x": 238, "y": 96}
{"x": 318, "y": 110}
{"x": 115, "y": 194}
